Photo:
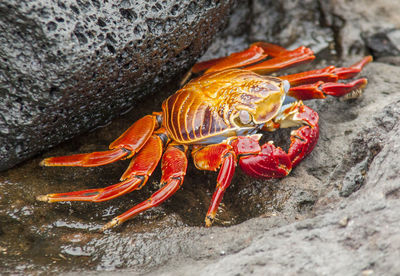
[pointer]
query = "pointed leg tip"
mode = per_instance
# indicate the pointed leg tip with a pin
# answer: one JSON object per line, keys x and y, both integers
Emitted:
{"x": 369, "y": 59}
{"x": 364, "y": 82}
{"x": 111, "y": 224}
{"x": 44, "y": 198}
{"x": 49, "y": 162}
{"x": 209, "y": 220}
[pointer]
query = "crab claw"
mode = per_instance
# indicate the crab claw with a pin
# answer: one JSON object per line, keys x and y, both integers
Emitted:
{"x": 261, "y": 162}
{"x": 303, "y": 140}
{"x": 270, "y": 162}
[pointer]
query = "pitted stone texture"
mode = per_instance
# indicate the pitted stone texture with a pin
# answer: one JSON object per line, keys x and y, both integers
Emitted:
{"x": 336, "y": 213}
{"x": 67, "y": 67}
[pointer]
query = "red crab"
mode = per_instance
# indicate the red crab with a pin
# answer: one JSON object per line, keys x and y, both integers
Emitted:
{"x": 217, "y": 116}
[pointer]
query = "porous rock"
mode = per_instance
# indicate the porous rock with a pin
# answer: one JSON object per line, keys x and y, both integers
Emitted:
{"x": 337, "y": 213}
{"x": 66, "y": 67}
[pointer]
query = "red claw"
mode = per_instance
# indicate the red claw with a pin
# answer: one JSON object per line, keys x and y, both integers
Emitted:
{"x": 261, "y": 161}
{"x": 206, "y": 115}
{"x": 269, "y": 162}
{"x": 303, "y": 140}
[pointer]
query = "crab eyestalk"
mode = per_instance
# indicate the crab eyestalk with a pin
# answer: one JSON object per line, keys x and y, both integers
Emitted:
{"x": 217, "y": 114}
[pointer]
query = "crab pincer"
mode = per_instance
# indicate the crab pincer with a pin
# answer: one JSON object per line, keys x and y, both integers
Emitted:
{"x": 219, "y": 116}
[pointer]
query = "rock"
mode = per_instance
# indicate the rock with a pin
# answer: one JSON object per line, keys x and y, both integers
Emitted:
{"x": 337, "y": 213}
{"x": 383, "y": 44}
{"x": 69, "y": 67}
{"x": 360, "y": 235}
{"x": 352, "y": 23}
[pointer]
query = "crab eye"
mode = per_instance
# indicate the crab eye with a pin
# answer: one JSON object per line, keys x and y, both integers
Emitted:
{"x": 286, "y": 86}
{"x": 244, "y": 117}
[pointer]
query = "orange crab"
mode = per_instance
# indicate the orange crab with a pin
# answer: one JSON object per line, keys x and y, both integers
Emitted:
{"x": 217, "y": 116}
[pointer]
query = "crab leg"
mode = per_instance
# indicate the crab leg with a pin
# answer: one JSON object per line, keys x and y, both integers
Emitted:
{"x": 173, "y": 165}
{"x": 252, "y": 54}
{"x": 327, "y": 74}
{"x": 272, "y": 50}
{"x": 256, "y": 52}
{"x": 282, "y": 61}
{"x": 316, "y": 84}
{"x": 319, "y": 90}
{"x": 223, "y": 181}
{"x": 130, "y": 142}
{"x": 212, "y": 158}
{"x": 139, "y": 170}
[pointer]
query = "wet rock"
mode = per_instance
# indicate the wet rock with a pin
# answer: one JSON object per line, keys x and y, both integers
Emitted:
{"x": 68, "y": 67}
{"x": 337, "y": 213}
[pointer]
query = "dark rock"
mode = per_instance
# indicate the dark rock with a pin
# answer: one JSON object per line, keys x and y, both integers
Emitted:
{"x": 337, "y": 213}
{"x": 352, "y": 22}
{"x": 384, "y": 43}
{"x": 68, "y": 67}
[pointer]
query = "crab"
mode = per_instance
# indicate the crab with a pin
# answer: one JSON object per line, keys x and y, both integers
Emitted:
{"x": 218, "y": 117}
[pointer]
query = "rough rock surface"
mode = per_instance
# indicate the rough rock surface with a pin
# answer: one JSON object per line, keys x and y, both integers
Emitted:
{"x": 66, "y": 68}
{"x": 337, "y": 213}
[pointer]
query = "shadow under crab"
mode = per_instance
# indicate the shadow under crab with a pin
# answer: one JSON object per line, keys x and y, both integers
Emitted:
{"x": 218, "y": 115}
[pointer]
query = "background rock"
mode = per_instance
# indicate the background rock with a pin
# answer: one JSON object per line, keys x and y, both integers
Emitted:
{"x": 68, "y": 67}
{"x": 337, "y": 213}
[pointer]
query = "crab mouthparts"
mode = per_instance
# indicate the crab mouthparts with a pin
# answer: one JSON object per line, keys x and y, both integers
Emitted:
{"x": 286, "y": 86}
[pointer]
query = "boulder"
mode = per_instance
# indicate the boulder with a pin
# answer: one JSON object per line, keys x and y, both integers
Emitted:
{"x": 336, "y": 213}
{"x": 69, "y": 67}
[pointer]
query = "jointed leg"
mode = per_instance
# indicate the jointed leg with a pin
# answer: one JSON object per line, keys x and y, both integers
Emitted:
{"x": 256, "y": 52}
{"x": 316, "y": 84}
{"x": 283, "y": 61}
{"x": 92, "y": 159}
{"x": 253, "y": 54}
{"x": 272, "y": 50}
{"x": 130, "y": 142}
{"x": 139, "y": 170}
{"x": 212, "y": 158}
{"x": 319, "y": 90}
{"x": 173, "y": 165}
{"x": 281, "y": 58}
{"x": 235, "y": 60}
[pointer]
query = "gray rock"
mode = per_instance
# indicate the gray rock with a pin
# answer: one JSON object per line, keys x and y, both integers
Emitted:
{"x": 358, "y": 237}
{"x": 68, "y": 67}
{"x": 384, "y": 43}
{"x": 337, "y": 213}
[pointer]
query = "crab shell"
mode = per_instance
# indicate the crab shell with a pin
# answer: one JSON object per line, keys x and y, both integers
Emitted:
{"x": 219, "y": 105}
{"x": 218, "y": 114}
